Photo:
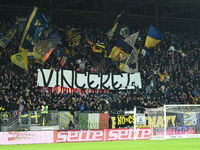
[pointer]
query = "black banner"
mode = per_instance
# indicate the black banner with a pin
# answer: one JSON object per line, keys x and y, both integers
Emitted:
{"x": 121, "y": 121}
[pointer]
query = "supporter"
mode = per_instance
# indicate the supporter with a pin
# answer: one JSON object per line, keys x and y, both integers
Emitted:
{"x": 170, "y": 75}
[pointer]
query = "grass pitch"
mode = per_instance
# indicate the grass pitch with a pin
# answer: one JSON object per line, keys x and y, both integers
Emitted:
{"x": 175, "y": 144}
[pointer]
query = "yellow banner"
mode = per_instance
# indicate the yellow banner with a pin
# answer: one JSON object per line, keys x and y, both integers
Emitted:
{"x": 117, "y": 54}
{"x": 20, "y": 59}
{"x": 153, "y": 121}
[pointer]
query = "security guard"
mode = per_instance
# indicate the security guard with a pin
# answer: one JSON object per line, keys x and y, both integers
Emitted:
{"x": 44, "y": 113}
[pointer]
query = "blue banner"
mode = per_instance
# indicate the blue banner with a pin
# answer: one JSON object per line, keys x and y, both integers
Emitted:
{"x": 124, "y": 46}
{"x": 35, "y": 25}
{"x": 8, "y": 36}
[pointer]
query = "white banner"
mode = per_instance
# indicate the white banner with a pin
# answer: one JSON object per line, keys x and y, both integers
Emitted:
{"x": 73, "y": 79}
{"x": 140, "y": 119}
{"x": 27, "y": 137}
{"x": 93, "y": 121}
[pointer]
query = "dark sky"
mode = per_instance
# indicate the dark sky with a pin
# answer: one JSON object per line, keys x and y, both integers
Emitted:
{"x": 183, "y": 15}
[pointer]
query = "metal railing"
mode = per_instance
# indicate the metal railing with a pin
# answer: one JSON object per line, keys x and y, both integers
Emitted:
{"x": 58, "y": 120}
{"x": 35, "y": 120}
{"x": 12, "y": 123}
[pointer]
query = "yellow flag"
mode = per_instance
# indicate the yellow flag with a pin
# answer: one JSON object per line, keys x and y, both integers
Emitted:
{"x": 96, "y": 48}
{"x": 111, "y": 32}
{"x": 117, "y": 54}
{"x": 20, "y": 59}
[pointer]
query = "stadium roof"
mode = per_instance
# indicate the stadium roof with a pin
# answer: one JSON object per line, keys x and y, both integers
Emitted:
{"x": 158, "y": 12}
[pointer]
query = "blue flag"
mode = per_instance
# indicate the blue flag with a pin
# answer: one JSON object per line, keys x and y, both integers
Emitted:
{"x": 124, "y": 46}
{"x": 8, "y": 36}
{"x": 35, "y": 24}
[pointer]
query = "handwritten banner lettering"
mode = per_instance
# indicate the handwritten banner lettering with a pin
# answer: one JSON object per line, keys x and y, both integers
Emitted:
{"x": 73, "y": 79}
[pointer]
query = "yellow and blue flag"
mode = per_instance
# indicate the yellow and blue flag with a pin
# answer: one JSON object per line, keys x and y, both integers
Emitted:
{"x": 154, "y": 37}
{"x": 126, "y": 56}
{"x": 120, "y": 51}
{"x": 73, "y": 37}
{"x": 75, "y": 41}
{"x": 35, "y": 24}
{"x": 43, "y": 49}
{"x": 20, "y": 59}
{"x": 98, "y": 49}
{"x": 117, "y": 54}
{"x": 111, "y": 32}
{"x": 124, "y": 46}
{"x": 8, "y": 36}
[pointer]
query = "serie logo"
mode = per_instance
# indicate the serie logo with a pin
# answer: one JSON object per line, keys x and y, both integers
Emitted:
{"x": 101, "y": 135}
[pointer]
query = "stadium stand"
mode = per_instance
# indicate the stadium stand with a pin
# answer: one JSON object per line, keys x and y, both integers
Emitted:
{"x": 169, "y": 72}
{"x": 102, "y": 70}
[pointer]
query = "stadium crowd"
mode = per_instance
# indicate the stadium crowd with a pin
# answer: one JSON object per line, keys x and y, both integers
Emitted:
{"x": 170, "y": 75}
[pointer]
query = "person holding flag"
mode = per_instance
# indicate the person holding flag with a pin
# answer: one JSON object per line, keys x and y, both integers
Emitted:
{"x": 111, "y": 32}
